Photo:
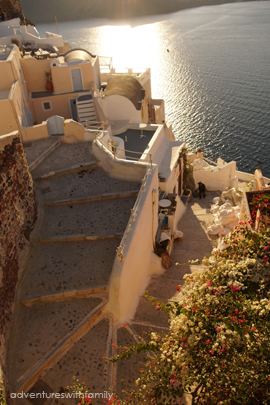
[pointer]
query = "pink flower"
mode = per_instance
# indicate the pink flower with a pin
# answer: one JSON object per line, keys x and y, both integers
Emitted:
{"x": 216, "y": 293}
{"x": 152, "y": 363}
{"x": 223, "y": 349}
{"x": 208, "y": 341}
{"x": 209, "y": 284}
{"x": 211, "y": 351}
{"x": 178, "y": 288}
{"x": 172, "y": 381}
{"x": 157, "y": 307}
{"x": 218, "y": 329}
{"x": 234, "y": 288}
{"x": 220, "y": 291}
{"x": 265, "y": 248}
{"x": 171, "y": 343}
{"x": 113, "y": 345}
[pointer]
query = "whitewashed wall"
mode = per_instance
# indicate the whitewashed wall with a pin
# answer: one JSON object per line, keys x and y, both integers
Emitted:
{"x": 216, "y": 180}
{"x": 119, "y": 108}
{"x": 118, "y": 168}
{"x": 130, "y": 277}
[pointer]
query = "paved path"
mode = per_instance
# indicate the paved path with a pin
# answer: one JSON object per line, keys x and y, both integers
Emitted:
{"x": 195, "y": 244}
{"x": 62, "y": 327}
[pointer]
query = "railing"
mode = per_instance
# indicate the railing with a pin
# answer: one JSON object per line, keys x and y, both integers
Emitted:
{"x": 105, "y": 62}
{"x": 109, "y": 146}
{"x": 211, "y": 161}
{"x": 89, "y": 125}
{"x": 134, "y": 213}
{"x": 134, "y": 210}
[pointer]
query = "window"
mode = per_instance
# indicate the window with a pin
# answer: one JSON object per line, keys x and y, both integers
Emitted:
{"x": 46, "y": 105}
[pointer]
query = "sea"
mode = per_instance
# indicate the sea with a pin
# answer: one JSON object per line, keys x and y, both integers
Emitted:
{"x": 210, "y": 64}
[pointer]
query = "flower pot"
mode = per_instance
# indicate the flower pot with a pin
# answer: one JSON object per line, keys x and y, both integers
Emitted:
{"x": 49, "y": 87}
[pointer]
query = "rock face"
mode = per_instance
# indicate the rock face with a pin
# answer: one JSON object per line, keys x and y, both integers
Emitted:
{"x": 18, "y": 212}
{"x": 9, "y": 9}
{"x": 41, "y": 11}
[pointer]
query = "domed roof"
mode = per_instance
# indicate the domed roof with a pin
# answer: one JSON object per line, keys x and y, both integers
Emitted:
{"x": 127, "y": 86}
{"x": 77, "y": 54}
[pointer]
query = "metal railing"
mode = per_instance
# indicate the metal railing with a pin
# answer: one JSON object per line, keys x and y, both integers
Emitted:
{"x": 109, "y": 146}
{"x": 134, "y": 213}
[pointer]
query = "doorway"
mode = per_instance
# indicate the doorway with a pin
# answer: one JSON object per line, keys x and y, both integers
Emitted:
{"x": 76, "y": 79}
{"x": 73, "y": 108}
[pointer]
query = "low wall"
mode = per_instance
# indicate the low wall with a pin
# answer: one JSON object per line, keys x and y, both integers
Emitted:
{"x": 18, "y": 212}
{"x": 75, "y": 132}
{"x": 218, "y": 179}
{"x": 118, "y": 168}
{"x": 36, "y": 132}
{"x": 131, "y": 275}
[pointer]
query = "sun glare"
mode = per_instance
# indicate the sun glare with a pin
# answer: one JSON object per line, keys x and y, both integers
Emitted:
{"x": 129, "y": 46}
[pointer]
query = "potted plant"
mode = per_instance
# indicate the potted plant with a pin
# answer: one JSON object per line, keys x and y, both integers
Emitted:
{"x": 48, "y": 78}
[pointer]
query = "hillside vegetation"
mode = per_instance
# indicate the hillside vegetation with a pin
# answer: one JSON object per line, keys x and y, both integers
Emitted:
{"x": 65, "y": 10}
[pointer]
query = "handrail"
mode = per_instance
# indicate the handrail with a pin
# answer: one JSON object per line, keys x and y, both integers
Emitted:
{"x": 100, "y": 128}
{"x": 133, "y": 211}
{"x": 109, "y": 145}
{"x": 211, "y": 161}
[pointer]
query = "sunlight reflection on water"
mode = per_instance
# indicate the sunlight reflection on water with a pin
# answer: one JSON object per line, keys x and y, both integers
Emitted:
{"x": 211, "y": 66}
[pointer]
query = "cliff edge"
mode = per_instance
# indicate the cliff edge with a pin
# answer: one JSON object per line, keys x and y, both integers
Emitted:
{"x": 66, "y": 10}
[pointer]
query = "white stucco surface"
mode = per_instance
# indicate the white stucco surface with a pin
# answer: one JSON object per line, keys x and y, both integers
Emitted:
{"x": 119, "y": 108}
{"x": 214, "y": 177}
{"x": 118, "y": 168}
{"x": 130, "y": 277}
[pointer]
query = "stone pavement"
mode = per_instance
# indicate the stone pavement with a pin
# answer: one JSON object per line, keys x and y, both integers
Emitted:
{"x": 62, "y": 328}
{"x": 196, "y": 243}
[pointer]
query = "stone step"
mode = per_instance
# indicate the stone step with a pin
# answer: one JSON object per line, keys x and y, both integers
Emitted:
{"x": 56, "y": 267}
{"x": 62, "y": 296}
{"x": 67, "y": 170}
{"x": 102, "y": 197}
{"x": 86, "y": 183}
{"x": 39, "y": 351}
{"x": 87, "y": 221}
{"x": 65, "y": 156}
{"x": 45, "y": 154}
{"x": 87, "y": 360}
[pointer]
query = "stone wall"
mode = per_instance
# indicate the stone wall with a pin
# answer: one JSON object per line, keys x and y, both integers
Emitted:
{"x": 18, "y": 213}
{"x": 9, "y": 9}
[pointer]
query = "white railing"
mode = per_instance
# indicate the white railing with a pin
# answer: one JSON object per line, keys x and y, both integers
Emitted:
{"x": 134, "y": 213}
{"x": 211, "y": 161}
{"x": 134, "y": 210}
{"x": 109, "y": 146}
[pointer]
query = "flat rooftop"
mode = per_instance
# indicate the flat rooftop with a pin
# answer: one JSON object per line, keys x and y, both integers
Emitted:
{"x": 136, "y": 140}
{"x": 41, "y": 94}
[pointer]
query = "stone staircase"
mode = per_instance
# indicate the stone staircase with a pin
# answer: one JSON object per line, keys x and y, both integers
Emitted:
{"x": 86, "y": 110}
{"x": 62, "y": 328}
{"x": 62, "y": 296}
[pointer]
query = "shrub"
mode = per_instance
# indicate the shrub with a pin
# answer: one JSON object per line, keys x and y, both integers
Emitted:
{"x": 217, "y": 348}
